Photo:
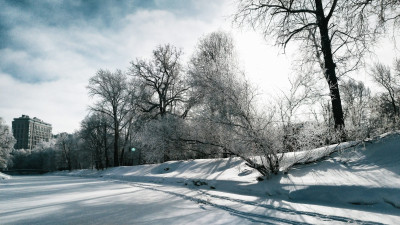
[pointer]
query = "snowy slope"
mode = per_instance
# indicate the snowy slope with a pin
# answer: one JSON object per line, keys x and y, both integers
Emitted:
{"x": 361, "y": 182}
{"x": 368, "y": 174}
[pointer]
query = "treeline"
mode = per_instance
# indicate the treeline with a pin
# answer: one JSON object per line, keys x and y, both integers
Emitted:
{"x": 166, "y": 110}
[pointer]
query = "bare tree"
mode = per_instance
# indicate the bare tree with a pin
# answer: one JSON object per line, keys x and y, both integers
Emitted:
{"x": 43, "y": 156}
{"x": 66, "y": 146}
{"x": 356, "y": 97}
{"x": 337, "y": 33}
{"x": 114, "y": 101}
{"x": 161, "y": 90}
{"x": 383, "y": 76}
{"x": 95, "y": 133}
{"x": 303, "y": 93}
{"x": 128, "y": 131}
{"x": 161, "y": 82}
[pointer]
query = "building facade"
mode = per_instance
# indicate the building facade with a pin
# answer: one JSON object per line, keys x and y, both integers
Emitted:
{"x": 30, "y": 131}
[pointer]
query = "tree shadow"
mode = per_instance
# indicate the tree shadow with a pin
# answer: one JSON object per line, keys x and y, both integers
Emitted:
{"x": 351, "y": 197}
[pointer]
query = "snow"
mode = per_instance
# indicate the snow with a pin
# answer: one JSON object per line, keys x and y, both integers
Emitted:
{"x": 4, "y": 177}
{"x": 358, "y": 183}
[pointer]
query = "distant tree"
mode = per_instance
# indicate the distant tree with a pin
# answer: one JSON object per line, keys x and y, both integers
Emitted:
{"x": 44, "y": 156}
{"x": 302, "y": 93}
{"x": 356, "y": 99}
{"x": 114, "y": 101}
{"x": 95, "y": 131}
{"x": 21, "y": 159}
{"x": 7, "y": 142}
{"x": 335, "y": 33}
{"x": 161, "y": 139}
{"x": 162, "y": 91}
{"x": 66, "y": 145}
{"x": 390, "y": 82}
{"x": 162, "y": 87}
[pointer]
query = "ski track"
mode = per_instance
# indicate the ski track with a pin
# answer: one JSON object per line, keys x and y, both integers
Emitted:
{"x": 252, "y": 217}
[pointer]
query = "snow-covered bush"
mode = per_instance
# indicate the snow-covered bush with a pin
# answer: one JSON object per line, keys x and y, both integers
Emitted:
{"x": 64, "y": 152}
{"x": 7, "y": 142}
{"x": 42, "y": 157}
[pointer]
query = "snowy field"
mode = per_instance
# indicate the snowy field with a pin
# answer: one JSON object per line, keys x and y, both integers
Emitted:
{"x": 358, "y": 185}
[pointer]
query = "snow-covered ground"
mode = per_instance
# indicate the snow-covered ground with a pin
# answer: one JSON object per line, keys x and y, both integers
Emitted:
{"x": 359, "y": 185}
{"x": 4, "y": 177}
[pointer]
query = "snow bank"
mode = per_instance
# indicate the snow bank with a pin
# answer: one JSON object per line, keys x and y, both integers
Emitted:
{"x": 200, "y": 172}
{"x": 303, "y": 157}
{"x": 4, "y": 177}
{"x": 366, "y": 174}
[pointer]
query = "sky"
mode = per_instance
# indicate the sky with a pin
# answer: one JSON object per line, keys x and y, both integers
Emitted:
{"x": 50, "y": 49}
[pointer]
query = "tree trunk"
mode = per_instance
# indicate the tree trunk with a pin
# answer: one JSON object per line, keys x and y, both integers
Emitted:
{"x": 106, "y": 146}
{"x": 330, "y": 73}
{"x": 395, "y": 114}
{"x": 126, "y": 142}
{"x": 121, "y": 160}
{"x": 99, "y": 161}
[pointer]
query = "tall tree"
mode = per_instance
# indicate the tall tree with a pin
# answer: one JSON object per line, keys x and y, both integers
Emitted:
{"x": 337, "y": 32}
{"x": 114, "y": 101}
{"x": 161, "y": 82}
{"x": 162, "y": 89}
{"x": 227, "y": 116}
{"x": 95, "y": 133}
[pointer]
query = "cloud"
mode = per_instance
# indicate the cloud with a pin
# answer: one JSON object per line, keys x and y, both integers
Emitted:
{"x": 51, "y": 49}
{"x": 60, "y": 102}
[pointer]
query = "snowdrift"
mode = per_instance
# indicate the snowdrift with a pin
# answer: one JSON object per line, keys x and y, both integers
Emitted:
{"x": 368, "y": 174}
{"x": 357, "y": 174}
{"x": 4, "y": 177}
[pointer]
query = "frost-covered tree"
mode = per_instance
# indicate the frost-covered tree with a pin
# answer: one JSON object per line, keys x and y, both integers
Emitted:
{"x": 161, "y": 81}
{"x": 95, "y": 131}
{"x": 333, "y": 35}
{"x": 356, "y": 99}
{"x": 68, "y": 147}
{"x": 43, "y": 157}
{"x": 161, "y": 139}
{"x": 114, "y": 100}
{"x": 390, "y": 82}
{"x": 225, "y": 104}
{"x": 161, "y": 95}
{"x": 22, "y": 159}
{"x": 7, "y": 142}
{"x": 301, "y": 96}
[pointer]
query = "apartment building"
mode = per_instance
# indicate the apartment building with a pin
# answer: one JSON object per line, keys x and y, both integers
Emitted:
{"x": 30, "y": 131}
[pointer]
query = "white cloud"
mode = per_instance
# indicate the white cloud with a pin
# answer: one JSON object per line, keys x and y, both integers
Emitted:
{"x": 64, "y": 58}
{"x": 61, "y": 103}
